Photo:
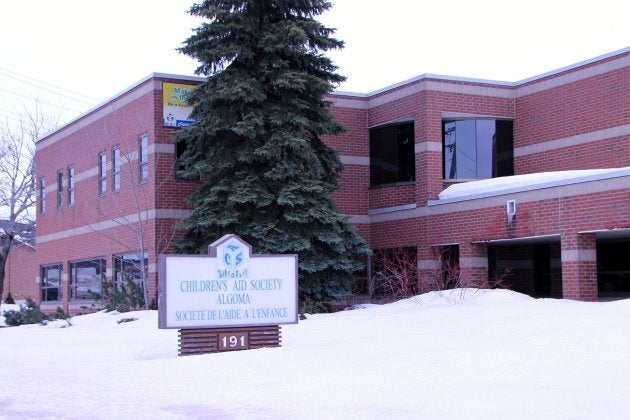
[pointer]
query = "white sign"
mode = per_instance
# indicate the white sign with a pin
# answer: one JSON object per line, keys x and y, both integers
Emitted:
{"x": 228, "y": 288}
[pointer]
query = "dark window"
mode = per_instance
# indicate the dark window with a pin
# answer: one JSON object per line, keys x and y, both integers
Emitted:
{"x": 59, "y": 189}
{"x": 51, "y": 282}
{"x": 42, "y": 195}
{"x": 180, "y": 148}
{"x": 86, "y": 278}
{"x": 143, "y": 157}
{"x": 392, "y": 156}
{"x": 70, "y": 185}
{"x": 116, "y": 168}
{"x": 102, "y": 174}
{"x": 395, "y": 272}
{"x": 477, "y": 149}
{"x": 613, "y": 268}
{"x": 449, "y": 260}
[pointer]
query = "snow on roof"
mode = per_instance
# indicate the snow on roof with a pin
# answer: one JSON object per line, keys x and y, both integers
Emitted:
{"x": 518, "y": 183}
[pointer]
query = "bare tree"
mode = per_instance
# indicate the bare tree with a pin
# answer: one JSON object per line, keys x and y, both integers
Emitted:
{"x": 17, "y": 178}
{"x": 135, "y": 222}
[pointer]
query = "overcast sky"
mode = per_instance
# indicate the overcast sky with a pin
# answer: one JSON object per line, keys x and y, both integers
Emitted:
{"x": 98, "y": 48}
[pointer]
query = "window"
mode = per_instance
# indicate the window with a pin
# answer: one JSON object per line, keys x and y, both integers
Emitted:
{"x": 143, "y": 157}
{"x": 86, "y": 278}
{"x": 71, "y": 185}
{"x": 42, "y": 195}
{"x": 449, "y": 265}
{"x": 59, "y": 189}
{"x": 51, "y": 282}
{"x": 102, "y": 174}
{"x": 477, "y": 149}
{"x": 395, "y": 272}
{"x": 116, "y": 168}
{"x": 129, "y": 267}
{"x": 392, "y": 155}
{"x": 180, "y": 148}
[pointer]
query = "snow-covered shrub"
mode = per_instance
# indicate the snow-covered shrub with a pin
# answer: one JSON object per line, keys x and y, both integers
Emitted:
{"x": 29, "y": 314}
{"x": 128, "y": 297}
{"x": 60, "y": 314}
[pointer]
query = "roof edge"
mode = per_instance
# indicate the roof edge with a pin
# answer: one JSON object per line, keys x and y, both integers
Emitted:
{"x": 446, "y": 78}
{"x": 151, "y": 76}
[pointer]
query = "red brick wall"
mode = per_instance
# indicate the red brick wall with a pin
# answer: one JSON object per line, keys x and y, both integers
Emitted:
{"x": 584, "y": 106}
{"x": 575, "y": 108}
{"x": 81, "y": 226}
{"x": 20, "y": 273}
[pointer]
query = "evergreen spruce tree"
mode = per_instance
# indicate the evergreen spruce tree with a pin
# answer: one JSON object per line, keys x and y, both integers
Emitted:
{"x": 256, "y": 140}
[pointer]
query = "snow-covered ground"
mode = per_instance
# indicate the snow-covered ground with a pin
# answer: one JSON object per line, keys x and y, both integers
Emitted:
{"x": 460, "y": 355}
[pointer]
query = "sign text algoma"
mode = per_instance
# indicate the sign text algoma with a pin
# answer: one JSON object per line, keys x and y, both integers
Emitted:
{"x": 228, "y": 288}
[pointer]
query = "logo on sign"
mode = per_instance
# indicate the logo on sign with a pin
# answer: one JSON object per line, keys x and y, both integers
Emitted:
{"x": 233, "y": 262}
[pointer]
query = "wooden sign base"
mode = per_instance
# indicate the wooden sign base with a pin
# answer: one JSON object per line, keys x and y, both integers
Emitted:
{"x": 212, "y": 340}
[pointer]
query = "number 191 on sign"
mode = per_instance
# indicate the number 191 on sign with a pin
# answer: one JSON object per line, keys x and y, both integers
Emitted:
{"x": 231, "y": 341}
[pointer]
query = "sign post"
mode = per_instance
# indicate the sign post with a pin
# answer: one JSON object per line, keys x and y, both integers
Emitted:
{"x": 228, "y": 300}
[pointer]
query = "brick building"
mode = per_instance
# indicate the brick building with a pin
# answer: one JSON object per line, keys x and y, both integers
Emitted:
{"x": 454, "y": 169}
{"x": 21, "y": 266}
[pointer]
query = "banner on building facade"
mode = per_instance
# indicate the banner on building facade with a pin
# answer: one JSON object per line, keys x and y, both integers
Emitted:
{"x": 176, "y": 109}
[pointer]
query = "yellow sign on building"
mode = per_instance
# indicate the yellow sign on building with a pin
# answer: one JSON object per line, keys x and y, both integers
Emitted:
{"x": 176, "y": 109}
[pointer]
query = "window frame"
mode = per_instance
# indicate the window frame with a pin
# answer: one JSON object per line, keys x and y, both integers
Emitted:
{"x": 59, "y": 188}
{"x": 118, "y": 265}
{"x": 102, "y": 174}
{"x": 44, "y": 287}
{"x": 116, "y": 168}
{"x": 401, "y": 155}
{"x": 501, "y": 153}
{"x": 42, "y": 195}
{"x": 71, "y": 185}
{"x": 73, "y": 278}
{"x": 143, "y": 158}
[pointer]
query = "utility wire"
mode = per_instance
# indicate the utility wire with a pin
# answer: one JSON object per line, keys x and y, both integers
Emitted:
{"x": 48, "y": 90}
{"x": 10, "y": 111}
{"x": 47, "y": 84}
{"x": 10, "y": 117}
{"x": 44, "y": 102}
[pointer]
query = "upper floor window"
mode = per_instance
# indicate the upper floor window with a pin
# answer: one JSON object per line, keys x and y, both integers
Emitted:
{"x": 59, "y": 189}
{"x": 392, "y": 154}
{"x": 42, "y": 195}
{"x": 70, "y": 185}
{"x": 51, "y": 286}
{"x": 116, "y": 168}
{"x": 102, "y": 173}
{"x": 180, "y": 149}
{"x": 477, "y": 149}
{"x": 143, "y": 157}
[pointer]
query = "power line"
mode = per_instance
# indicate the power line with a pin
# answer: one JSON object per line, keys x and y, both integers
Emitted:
{"x": 10, "y": 111}
{"x": 39, "y": 100}
{"x": 47, "y": 90}
{"x": 47, "y": 84}
{"x": 10, "y": 117}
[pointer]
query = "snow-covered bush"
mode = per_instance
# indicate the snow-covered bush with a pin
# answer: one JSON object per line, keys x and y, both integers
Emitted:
{"x": 29, "y": 314}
